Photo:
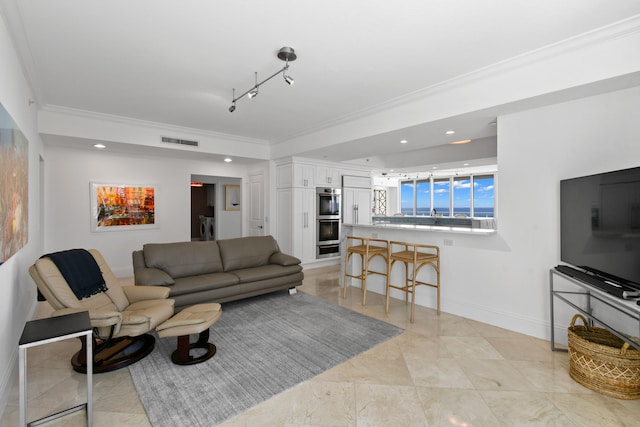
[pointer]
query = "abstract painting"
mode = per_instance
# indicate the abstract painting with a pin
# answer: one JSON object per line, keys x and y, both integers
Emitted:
{"x": 14, "y": 187}
{"x": 122, "y": 207}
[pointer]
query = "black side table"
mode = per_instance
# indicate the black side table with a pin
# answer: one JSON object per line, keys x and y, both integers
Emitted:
{"x": 45, "y": 331}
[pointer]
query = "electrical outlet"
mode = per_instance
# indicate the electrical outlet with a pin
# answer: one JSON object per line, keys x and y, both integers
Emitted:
{"x": 448, "y": 242}
{"x": 292, "y": 291}
{"x": 374, "y": 235}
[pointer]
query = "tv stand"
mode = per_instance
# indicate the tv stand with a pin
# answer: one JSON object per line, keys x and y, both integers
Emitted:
{"x": 627, "y": 308}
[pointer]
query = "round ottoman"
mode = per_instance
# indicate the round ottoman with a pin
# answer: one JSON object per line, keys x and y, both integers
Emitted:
{"x": 192, "y": 320}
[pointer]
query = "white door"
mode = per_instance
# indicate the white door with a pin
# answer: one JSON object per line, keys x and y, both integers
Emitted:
{"x": 256, "y": 205}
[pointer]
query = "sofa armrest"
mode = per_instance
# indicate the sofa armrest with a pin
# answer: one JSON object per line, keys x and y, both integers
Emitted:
{"x": 280, "y": 258}
{"x": 144, "y": 293}
{"x": 152, "y": 277}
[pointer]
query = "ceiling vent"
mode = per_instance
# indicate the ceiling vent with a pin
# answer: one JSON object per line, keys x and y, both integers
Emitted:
{"x": 179, "y": 141}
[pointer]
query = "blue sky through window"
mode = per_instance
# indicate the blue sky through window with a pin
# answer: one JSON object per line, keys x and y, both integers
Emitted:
{"x": 482, "y": 193}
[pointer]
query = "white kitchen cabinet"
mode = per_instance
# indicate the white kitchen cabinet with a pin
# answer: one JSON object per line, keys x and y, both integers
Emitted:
{"x": 284, "y": 176}
{"x": 296, "y": 222}
{"x": 356, "y": 205}
{"x": 284, "y": 215}
{"x": 327, "y": 176}
{"x": 304, "y": 224}
{"x": 299, "y": 175}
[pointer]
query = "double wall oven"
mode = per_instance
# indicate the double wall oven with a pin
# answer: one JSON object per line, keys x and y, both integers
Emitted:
{"x": 328, "y": 222}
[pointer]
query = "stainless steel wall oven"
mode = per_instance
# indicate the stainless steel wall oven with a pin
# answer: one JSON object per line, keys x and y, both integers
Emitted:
{"x": 328, "y": 222}
{"x": 328, "y": 202}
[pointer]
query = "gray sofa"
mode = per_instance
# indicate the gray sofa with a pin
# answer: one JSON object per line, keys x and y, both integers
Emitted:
{"x": 218, "y": 270}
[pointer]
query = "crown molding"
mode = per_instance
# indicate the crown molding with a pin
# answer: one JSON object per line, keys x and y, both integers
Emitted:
{"x": 163, "y": 128}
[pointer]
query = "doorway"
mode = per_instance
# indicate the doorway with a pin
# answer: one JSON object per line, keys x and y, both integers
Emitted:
{"x": 208, "y": 195}
{"x": 202, "y": 211}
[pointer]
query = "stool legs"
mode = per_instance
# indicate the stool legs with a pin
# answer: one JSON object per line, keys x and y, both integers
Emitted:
{"x": 411, "y": 255}
{"x": 362, "y": 276}
{"x": 367, "y": 252}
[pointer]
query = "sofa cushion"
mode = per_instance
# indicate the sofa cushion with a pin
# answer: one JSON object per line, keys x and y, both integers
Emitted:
{"x": 203, "y": 282}
{"x": 184, "y": 258}
{"x": 247, "y": 252}
{"x": 265, "y": 272}
{"x": 153, "y": 277}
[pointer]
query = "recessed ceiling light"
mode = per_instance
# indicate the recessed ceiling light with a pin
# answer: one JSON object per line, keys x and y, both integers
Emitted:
{"x": 390, "y": 170}
{"x": 435, "y": 167}
{"x": 100, "y": 146}
{"x": 228, "y": 160}
{"x": 404, "y": 141}
{"x": 465, "y": 164}
{"x": 450, "y": 132}
{"x": 464, "y": 141}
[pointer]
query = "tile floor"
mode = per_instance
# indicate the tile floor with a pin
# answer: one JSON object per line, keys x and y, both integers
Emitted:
{"x": 442, "y": 371}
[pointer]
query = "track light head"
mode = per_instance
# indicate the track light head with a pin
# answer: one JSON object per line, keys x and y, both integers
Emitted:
{"x": 287, "y": 79}
{"x": 232, "y": 108}
{"x": 254, "y": 92}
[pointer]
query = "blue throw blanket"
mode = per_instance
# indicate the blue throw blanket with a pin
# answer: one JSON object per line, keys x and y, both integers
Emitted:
{"x": 80, "y": 270}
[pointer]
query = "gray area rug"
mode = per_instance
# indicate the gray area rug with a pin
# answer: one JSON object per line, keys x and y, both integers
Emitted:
{"x": 266, "y": 345}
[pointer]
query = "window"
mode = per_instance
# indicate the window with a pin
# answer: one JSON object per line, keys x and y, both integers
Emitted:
{"x": 469, "y": 196}
{"x": 462, "y": 196}
{"x": 483, "y": 196}
{"x": 423, "y": 197}
{"x": 441, "y": 196}
{"x": 407, "y": 197}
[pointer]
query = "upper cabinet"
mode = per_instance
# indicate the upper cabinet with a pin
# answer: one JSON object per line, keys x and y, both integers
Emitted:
{"x": 300, "y": 175}
{"x": 326, "y": 175}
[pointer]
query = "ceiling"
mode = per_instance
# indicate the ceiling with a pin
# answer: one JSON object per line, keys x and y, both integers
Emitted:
{"x": 176, "y": 62}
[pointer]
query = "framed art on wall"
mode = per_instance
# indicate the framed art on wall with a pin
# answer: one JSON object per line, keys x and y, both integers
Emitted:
{"x": 14, "y": 187}
{"x": 232, "y": 198}
{"x": 123, "y": 206}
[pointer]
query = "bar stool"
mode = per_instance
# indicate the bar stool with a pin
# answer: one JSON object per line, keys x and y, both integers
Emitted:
{"x": 367, "y": 248}
{"x": 419, "y": 256}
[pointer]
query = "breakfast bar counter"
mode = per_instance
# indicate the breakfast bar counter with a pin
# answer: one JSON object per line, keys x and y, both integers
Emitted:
{"x": 421, "y": 228}
{"x": 456, "y": 243}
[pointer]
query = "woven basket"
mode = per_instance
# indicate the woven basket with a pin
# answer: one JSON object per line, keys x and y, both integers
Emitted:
{"x": 602, "y": 362}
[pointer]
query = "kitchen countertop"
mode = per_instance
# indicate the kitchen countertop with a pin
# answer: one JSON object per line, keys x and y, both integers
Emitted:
{"x": 429, "y": 228}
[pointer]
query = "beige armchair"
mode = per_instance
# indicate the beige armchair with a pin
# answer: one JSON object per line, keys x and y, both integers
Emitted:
{"x": 121, "y": 316}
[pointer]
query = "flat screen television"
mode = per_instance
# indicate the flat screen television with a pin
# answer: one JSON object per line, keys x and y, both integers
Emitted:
{"x": 600, "y": 225}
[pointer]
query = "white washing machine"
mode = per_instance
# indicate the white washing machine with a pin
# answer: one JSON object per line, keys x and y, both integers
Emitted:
{"x": 207, "y": 228}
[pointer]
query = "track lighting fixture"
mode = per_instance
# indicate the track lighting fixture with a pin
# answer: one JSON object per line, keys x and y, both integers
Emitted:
{"x": 254, "y": 92}
{"x": 285, "y": 54}
{"x": 233, "y": 104}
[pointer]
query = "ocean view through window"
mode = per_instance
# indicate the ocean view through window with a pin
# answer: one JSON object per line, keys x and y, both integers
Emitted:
{"x": 466, "y": 196}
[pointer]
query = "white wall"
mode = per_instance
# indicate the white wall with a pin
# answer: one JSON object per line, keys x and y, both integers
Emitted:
{"x": 67, "y": 199}
{"x": 503, "y": 279}
{"x": 536, "y": 149}
{"x": 18, "y": 293}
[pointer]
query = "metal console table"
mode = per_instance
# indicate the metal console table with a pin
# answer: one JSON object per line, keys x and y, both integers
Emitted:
{"x": 628, "y": 308}
{"x": 45, "y": 331}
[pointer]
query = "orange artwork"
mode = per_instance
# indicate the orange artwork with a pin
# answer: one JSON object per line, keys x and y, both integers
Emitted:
{"x": 14, "y": 187}
{"x": 118, "y": 206}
